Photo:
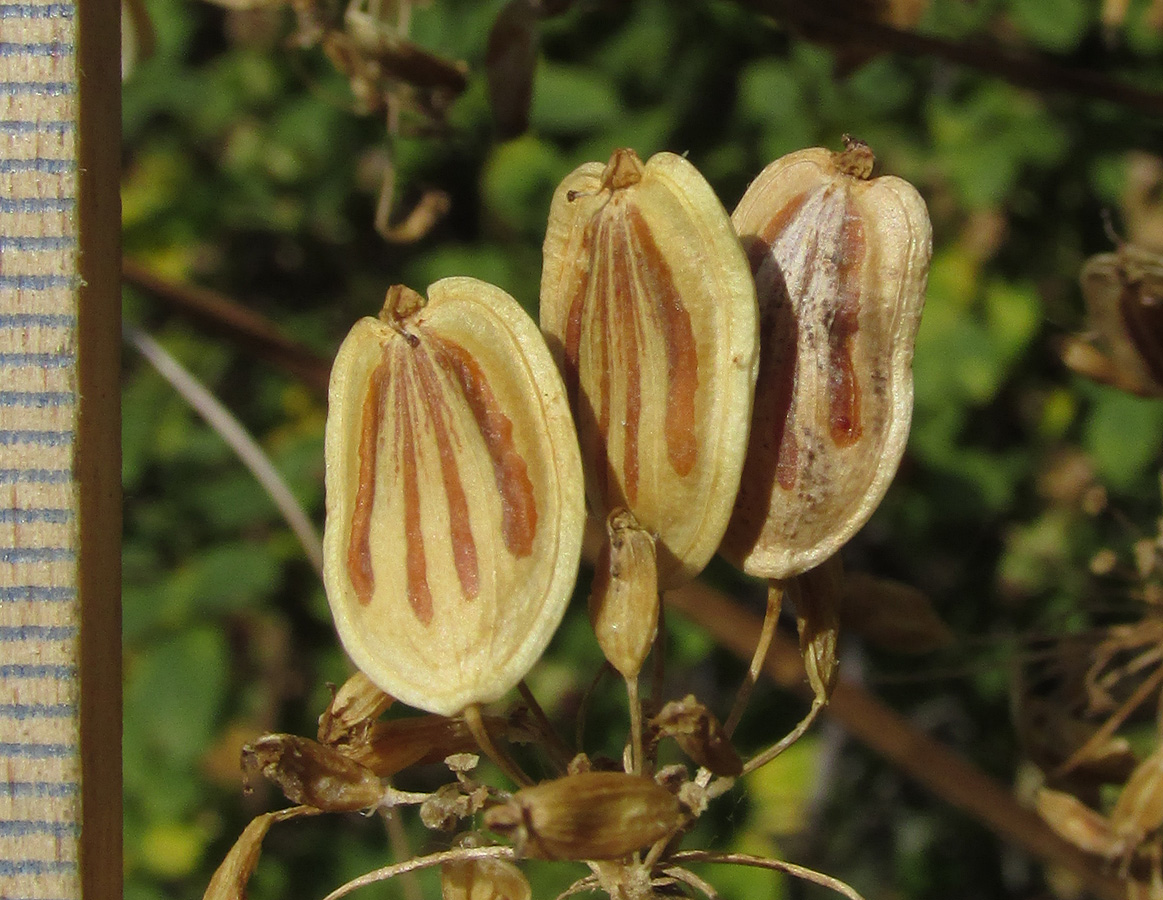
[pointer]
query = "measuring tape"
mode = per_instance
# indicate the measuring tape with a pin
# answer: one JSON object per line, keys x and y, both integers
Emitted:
{"x": 51, "y": 627}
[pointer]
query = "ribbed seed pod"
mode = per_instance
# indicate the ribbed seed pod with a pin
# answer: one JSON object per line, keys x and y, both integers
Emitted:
{"x": 591, "y": 815}
{"x": 840, "y": 262}
{"x": 454, "y": 495}
{"x": 649, "y": 308}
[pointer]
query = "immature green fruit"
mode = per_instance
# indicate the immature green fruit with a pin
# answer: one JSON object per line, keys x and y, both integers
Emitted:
{"x": 455, "y": 505}
{"x": 649, "y": 308}
{"x": 840, "y": 261}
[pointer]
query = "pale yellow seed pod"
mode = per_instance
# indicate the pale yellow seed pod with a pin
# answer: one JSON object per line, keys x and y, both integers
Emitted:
{"x": 649, "y": 309}
{"x": 624, "y": 599}
{"x": 455, "y": 504}
{"x": 590, "y": 815}
{"x": 841, "y": 260}
{"x": 483, "y": 879}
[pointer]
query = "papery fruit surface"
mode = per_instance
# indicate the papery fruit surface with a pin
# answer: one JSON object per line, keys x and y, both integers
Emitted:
{"x": 648, "y": 305}
{"x": 840, "y": 262}
{"x": 454, "y": 495}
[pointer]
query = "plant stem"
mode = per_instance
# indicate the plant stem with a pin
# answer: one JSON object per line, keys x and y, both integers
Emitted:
{"x": 636, "y": 759}
{"x": 558, "y": 749}
{"x": 766, "y": 756}
{"x": 777, "y": 865}
{"x": 504, "y": 762}
{"x": 767, "y": 632}
{"x": 421, "y": 862}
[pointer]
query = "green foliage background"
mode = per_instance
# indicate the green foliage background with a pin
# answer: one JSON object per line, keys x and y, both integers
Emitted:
{"x": 247, "y": 171}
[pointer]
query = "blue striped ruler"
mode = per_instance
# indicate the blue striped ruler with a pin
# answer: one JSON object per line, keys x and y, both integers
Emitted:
{"x": 39, "y": 609}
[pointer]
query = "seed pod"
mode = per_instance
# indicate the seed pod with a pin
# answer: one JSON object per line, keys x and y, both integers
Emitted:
{"x": 454, "y": 495}
{"x": 483, "y": 879}
{"x": 1124, "y": 302}
{"x": 648, "y": 307}
{"x": 624, "y": 599}
{"x": 840, "y": 262}
{"x": 591, "y": 815}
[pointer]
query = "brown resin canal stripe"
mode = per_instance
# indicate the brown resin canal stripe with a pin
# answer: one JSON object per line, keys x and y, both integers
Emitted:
{"x": 42, "y": 290}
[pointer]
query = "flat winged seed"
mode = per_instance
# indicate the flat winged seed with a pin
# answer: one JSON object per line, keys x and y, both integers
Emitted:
{"x": 649, "y": 309}
{"x": 840, "y": 262}
{"x": 590, "y": 815}
{"x": 455, "y": 506}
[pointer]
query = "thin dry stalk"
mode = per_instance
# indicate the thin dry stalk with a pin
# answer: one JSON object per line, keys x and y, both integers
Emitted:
{"x": 503, "y": 761}
{"x": 421, "y": 862}
{"x": 776, "y": 865}
{"x": 766, "y": 633}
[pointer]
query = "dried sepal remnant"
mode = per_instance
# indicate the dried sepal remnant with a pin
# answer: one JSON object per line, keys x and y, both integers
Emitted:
{"x": 840, "y": 262}
{"x": 1124, "y": 302}
{"x": 455, "y": 505}
{"x": 696, "y": 729}
{"x": 624, "y": 599}
{"x": 650, "y": 310}
{"x": 351, "y": 714}
{"x": 587, "y": 816}
{"x": 313, "y": 774}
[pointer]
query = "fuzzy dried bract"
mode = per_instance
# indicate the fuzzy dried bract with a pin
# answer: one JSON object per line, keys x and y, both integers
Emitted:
{"x": 840, "y": 260}
{"x": 649, "y": 308}
{"x": 454, "y": 495}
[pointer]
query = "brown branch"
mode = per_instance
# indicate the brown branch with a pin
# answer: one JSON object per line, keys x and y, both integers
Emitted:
{"x": 819, "y": 22}
{"x": 889, "y": 734}
{"x": 226, "y": 318}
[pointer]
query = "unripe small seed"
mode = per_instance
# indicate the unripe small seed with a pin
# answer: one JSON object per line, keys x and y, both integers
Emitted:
{"x": 624, "y": 599}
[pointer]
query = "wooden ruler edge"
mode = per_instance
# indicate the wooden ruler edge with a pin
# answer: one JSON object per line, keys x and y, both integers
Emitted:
{"x": 97, "y": 463}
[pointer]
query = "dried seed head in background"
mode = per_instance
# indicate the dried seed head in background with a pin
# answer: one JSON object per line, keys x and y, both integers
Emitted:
{"x": 454, "y": 495}
{"x": 648, "y": 306}
{"x": 1124, "y": 304}
{"x": 840, "y": 260}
